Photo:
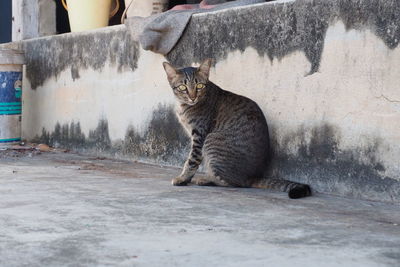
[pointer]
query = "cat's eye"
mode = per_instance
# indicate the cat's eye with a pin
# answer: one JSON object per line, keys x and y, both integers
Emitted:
{"x": 200, "y": 86}
{"x": 182, "y": 87}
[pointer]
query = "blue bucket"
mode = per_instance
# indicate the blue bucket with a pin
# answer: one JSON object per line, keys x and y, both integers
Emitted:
{"x": 10, "y": 95}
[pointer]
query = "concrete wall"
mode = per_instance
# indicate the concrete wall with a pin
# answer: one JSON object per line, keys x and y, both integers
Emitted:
{"x": 33, "y": 18}
{"x": 325, "y": 73}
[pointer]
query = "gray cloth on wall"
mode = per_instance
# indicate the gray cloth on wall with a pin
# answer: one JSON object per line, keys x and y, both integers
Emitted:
{"x": 159, "y": 33}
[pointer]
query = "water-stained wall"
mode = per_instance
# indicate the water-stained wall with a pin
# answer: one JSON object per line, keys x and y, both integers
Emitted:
{"x": 325, "y": 73}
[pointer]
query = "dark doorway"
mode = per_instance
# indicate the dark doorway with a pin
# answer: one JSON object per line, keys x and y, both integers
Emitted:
{"x": 62, "y": 22}
{"x": 5, "y": 21}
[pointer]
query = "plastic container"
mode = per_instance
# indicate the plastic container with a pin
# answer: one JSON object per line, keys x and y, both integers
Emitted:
{"x": 145, "y": 8}
{"x": 89, "y": 14}
{"x": 11, "y": 63}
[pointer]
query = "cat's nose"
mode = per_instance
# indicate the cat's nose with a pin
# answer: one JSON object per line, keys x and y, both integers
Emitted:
{"x": 192, "y": 96}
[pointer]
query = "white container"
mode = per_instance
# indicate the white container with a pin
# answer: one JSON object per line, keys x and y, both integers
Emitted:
{"x": 89, "y": 14}
{"x": 145, "y": 8}
{"x": 11, "y": 63}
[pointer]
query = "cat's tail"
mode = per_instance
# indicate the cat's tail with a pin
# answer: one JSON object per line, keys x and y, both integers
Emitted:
{"x": 294, "y": 190}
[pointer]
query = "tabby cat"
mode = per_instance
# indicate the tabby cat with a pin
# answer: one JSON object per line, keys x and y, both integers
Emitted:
{"x": 229, "y": 131}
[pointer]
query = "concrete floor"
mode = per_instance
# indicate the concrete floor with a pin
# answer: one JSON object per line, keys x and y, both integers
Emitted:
{"x": 62, "y": 209}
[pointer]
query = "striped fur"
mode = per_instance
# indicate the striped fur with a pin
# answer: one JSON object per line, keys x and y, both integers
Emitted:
{"x": 228, "y": 131}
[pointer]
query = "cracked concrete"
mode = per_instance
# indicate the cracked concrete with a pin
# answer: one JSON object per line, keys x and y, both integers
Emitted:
{"x": 61, "y": 209}
{"x": 388, "y": 99}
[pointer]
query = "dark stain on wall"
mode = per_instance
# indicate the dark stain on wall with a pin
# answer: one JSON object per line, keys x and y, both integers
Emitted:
{"x": 163, "y": 141}
{"x": 306, "y": 155}
{"x": 276, "y": 30}
{"x": 48, "y": 57}
{"x": 319, "y": 162}
{"x": 71, "y": 136}
{"x": 381, "y": 16}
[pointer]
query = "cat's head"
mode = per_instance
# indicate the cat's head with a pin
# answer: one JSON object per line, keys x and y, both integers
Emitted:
{"x": 189, "y": 84}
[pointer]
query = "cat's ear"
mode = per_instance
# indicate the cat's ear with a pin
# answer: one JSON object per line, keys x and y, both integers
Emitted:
{"x": 171, "y": 71}
{"x": 205, "y": 67}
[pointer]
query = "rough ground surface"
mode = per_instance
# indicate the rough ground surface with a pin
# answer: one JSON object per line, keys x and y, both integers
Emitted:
{"x": 60, "y": 209}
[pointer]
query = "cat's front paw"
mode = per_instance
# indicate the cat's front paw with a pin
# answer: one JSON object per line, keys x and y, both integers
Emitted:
{"x": 179, "y": 181}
